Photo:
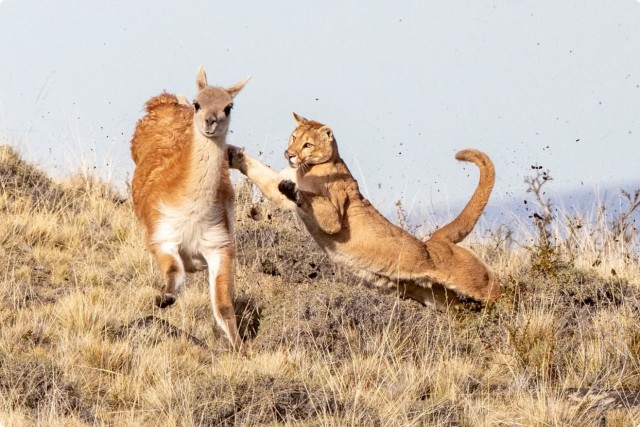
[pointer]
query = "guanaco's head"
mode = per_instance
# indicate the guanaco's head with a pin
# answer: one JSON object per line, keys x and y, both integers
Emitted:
{"x": 311, "y": 143}
{"x": 212, "y": 106}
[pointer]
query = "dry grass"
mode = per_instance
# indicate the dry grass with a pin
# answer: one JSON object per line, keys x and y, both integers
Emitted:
{"x": 81, "y": 342}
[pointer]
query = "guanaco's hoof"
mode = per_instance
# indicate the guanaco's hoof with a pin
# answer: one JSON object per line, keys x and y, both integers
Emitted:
{"x": 165, "y": 300}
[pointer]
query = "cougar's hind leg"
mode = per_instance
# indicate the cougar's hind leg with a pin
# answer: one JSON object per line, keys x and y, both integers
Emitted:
{"x": 468, "y": 274}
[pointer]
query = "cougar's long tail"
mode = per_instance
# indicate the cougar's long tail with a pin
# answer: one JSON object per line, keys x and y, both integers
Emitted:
{"x": 462, "y": 225}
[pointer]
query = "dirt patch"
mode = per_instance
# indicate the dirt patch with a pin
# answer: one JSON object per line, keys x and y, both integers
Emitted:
{"x": 19, "y": 178}
{"x": 266, "y": 399}
{"x": 35, "y": 385}
{"x": 591, "y": 292}
{"x": 335, "y": 319}
{"x": 577, "y": 290}
{"x": 248, "y": 315}
{"x": 279, "y": 251}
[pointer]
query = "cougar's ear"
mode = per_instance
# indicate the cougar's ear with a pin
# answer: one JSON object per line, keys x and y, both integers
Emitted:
{"x": 299, "y": 119}
{"x": 201, "y": 78}
{"x": 233, "y": 90}
{"x": 326, "y": 131}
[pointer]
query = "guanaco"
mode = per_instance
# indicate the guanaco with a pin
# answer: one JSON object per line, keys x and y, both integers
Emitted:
{"x": 183, "y": 196}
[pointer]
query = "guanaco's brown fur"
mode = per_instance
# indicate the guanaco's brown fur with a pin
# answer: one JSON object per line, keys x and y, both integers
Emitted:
{"x": 183, "y": 196}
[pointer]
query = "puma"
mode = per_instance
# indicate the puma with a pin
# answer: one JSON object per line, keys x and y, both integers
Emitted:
{"x": 326, "y": 197}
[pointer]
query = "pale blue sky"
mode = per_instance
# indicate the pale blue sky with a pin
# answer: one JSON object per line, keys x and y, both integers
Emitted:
{"x": 404, "y": 84}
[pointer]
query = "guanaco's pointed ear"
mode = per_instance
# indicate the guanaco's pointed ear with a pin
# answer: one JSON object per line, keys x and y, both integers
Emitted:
{"x": 201, "y": 78}
{"x": 299, "y": 119}
{"x": 326, "y": 130}
{"x": 233, "y": 90}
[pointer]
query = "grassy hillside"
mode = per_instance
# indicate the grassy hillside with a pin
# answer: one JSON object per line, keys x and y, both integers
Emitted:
{"x": 81, "y": 342}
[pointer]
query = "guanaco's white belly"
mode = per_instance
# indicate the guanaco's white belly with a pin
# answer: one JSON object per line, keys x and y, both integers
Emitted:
{"x": 193, "y": 227}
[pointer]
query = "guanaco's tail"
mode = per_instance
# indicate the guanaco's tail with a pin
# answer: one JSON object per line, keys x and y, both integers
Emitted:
{"x": 462, "y": 225}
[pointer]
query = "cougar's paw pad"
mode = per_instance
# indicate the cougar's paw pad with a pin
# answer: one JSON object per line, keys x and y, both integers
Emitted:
{"x": 235, "y": 156}
{"x": 289, "y": 189}
{"x": 165, "y": 300}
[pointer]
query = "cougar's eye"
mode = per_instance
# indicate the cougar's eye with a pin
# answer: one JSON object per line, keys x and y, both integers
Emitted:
{"x": 227, "y": 109}
{"x": 196, "y": 105}
{"x": 307, "y": 145}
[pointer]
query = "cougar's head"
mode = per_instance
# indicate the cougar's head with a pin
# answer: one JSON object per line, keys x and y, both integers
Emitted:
{"x": 212, "y": 106}
{"x": 311, "y": 143}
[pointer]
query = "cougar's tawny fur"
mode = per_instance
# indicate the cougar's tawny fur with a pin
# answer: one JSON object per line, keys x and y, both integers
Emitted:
{"x": 320, "y": 188}
{"x": 183, "y": 196}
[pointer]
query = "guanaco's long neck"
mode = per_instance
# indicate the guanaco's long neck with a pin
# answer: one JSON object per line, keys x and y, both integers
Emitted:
{"x": 207, "y": 162}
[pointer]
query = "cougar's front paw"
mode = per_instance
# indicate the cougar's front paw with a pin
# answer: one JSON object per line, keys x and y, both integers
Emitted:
{"x": 235, "y": 155}
{"x": 289, "y": 189}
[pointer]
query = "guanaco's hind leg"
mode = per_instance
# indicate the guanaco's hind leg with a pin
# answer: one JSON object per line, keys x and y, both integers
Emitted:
{"x": 221, "y": 289}
{"x": 173, "y": 271}
{"x": 437, "y": 296}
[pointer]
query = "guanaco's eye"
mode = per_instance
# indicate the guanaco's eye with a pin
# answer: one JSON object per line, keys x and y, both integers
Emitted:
{"x": 196, "y": 105}
{"x": 307, "y": 145}
{"x": 227, "y": 109}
